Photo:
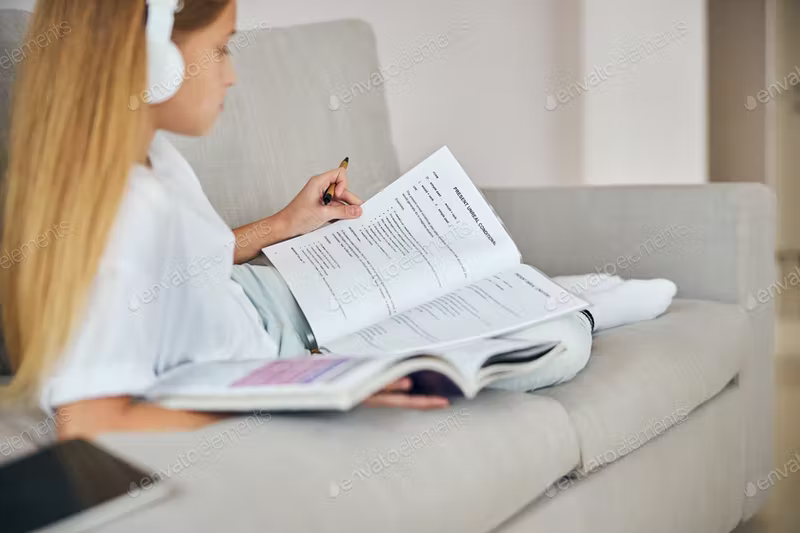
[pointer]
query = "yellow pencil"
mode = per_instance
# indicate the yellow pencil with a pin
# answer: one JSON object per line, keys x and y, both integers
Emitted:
{"x": 329, "y": 193}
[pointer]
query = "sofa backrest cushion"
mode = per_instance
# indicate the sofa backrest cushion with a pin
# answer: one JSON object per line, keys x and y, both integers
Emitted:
{"x": 306, "y": 97}
{"x": 13, "y": 24}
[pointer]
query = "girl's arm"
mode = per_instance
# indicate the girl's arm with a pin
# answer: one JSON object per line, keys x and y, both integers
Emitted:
{"x": 252, "y": 238}
{"x": 88, "y": 418}
{"x": 303, "y": 214}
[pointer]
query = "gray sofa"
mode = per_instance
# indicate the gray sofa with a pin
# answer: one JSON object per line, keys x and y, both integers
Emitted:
{"x": 668, "y": 429}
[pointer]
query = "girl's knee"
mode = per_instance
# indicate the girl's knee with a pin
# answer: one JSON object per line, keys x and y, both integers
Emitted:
{"x": 578, "y": 347}
{"x": 575, "y": 359}
{"x": 575, "y": 334}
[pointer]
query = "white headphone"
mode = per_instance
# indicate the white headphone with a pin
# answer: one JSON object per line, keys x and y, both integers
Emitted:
{"x": 165, "y": 64}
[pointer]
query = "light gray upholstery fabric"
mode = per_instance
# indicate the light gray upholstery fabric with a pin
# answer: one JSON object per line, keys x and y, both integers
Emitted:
{"x": 644, "y": 378}
{"x": 291, "y": 473}
{"x": 688, "y": 480}
{"x": 24, "y": 431}
{"x": 713, "y": 241}
{"x": 13, "y": 24}
{"x": 278, "y": 129}
{"x": 717, "y": 242}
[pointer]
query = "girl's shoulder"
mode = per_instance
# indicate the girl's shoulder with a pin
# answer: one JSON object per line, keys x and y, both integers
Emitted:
{"x": 140, "y": 234}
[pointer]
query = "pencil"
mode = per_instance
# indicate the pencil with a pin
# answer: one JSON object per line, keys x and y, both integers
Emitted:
{"x": 329, "y": 193}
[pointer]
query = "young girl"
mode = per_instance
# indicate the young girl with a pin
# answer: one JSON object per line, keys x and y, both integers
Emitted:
{"x": 83, "y": 159}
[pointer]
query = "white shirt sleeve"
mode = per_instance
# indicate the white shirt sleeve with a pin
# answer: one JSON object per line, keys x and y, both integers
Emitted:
{"x": 112, "y": 351}
{"x": 115, "y": 342}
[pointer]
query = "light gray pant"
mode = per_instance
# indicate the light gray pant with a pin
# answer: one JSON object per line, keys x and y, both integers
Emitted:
{"x": 284, "y": 321}
{"x": 575, "y": 333}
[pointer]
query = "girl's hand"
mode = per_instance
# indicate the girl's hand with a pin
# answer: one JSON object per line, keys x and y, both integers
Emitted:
{"x": 307, "y": 212}
{"x": 395, "y": 395}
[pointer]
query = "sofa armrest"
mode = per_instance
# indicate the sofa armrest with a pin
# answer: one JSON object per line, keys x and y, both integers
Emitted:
{"x": 716, "y": 242}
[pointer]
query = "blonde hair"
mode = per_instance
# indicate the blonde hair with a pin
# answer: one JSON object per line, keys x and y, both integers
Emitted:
{"x": 72, "y": 144}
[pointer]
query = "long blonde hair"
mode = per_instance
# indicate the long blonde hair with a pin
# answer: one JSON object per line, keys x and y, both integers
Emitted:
{"x": 73, "y": 141}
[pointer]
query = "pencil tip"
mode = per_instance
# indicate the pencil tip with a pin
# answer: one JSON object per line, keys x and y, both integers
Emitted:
{"x": 346, "y": 159}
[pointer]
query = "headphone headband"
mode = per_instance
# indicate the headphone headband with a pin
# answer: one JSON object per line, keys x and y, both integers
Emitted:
{"x": 160, "y": 19}
{"x": 164, "y": 61}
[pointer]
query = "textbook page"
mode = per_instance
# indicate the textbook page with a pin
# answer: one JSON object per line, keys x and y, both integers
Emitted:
{"x": 231, "y": 378}
{"x": 470, "y": 358}
{"x": 429, "y": 232}
{"x": 499, "y": 304}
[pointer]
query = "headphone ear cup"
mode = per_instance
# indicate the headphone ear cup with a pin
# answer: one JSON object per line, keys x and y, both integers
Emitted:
{"x": 165, "y": 71}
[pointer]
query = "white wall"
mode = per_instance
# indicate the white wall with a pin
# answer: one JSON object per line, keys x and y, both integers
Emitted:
{"x": 738, "y": 123}
{"x": 485, "y": 93}
{"x": 784, "y": 96}
{"x": 647, "y": 123}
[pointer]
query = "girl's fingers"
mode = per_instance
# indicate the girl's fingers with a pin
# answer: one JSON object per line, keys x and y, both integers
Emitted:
{"x": 350, "y": 198}
{"x": 341, "y": 183}
{"x": 341, "y": 211}
{"x": 399, "y": 385}
{"x": 406, "y": 401}
{"x": 337, "y": 176}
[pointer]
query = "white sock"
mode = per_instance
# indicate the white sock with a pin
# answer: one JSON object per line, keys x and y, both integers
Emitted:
{"x": 630, "y": 301}
{"x": 588, "y": 283}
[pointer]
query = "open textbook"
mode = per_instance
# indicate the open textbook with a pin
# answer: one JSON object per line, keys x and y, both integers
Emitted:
{"x": 339, "y": 383}
{"x": 427, "y": 266}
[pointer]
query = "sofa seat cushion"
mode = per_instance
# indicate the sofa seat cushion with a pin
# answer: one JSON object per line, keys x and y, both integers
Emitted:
{"x": 646, "y": 377}
{"x": 466, "y": 468}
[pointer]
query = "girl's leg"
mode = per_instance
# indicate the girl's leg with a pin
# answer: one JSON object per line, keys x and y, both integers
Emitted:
{"x": 575, "y": 333}
{"x": 588, "y": 283}
{"x": 630, "y": 301}
{"x": 615, "y": 302}
{"x": 280, "y": 314}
